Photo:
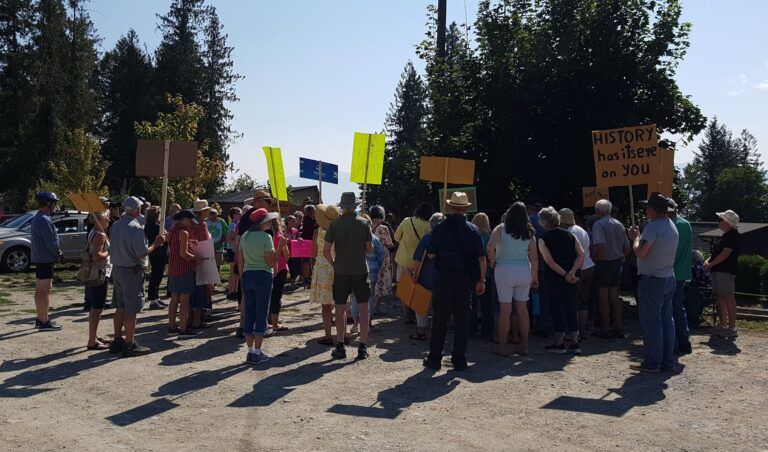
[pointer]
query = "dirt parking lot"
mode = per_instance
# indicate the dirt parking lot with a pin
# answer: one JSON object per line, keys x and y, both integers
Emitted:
{"x": 198, "y": 394}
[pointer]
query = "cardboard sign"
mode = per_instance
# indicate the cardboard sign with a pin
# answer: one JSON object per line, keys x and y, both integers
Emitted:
{"x": 460, "y": 171}
{"x": 471, "y": 196}
{"x": 310, "y": 169}
{"x": 276, "y": 173}
{"x": 86, "y": 202}
{"x": 667, "y": 172}
{"x": 626, "y": 156}
{"x": 590, "y": 195}
{"x": 413, "y": 295}
{"x": 206, "y": 271}
{"x": 182, "y": 158}
{"x": 301, "y": 248}
{"x": 368, "y": 153}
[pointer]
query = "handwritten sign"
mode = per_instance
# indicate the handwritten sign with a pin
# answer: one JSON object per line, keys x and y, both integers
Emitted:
{"x": 626, "y": 156}
{"x": 413, "y": 295}
{"x": 301, "y": 248}
{"x": 590, "y": 195}
{"x": 368, "y": 158}
{"x": 460, "y": 171}
{"x": 276, "y": 173}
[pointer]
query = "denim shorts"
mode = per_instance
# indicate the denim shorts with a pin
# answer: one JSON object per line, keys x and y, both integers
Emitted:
{"x": 184, "y": 284}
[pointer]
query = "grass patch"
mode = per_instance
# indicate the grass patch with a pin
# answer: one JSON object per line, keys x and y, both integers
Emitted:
{"x": 4, "y": 300}
{"x": 752, "y": 325}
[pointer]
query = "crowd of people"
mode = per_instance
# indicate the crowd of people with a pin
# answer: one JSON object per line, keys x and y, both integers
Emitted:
{"x": 539, "y": 271}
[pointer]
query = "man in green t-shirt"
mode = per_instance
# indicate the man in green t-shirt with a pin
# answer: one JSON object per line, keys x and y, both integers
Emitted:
{"x": 218, "y": 229}
{"x": 350, "y": 237}
{"x": 682, "y": 276}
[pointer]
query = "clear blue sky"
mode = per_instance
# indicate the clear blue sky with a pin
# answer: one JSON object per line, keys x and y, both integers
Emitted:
{"x": 317, "y": 71}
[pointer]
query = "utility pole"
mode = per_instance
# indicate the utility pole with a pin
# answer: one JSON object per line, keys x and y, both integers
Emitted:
{"x": 441, "y": 8}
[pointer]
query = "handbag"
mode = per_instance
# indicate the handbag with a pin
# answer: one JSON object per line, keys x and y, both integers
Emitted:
{"x": 90, "y": 274}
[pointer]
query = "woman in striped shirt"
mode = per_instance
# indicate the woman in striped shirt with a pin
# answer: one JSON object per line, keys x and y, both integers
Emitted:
{"x": 181, "y": 273}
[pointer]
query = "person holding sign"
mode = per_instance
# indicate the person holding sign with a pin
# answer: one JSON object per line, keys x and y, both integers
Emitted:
{"x": 655, "y": 249}
{"x": 460, "y": 262}
{"x": 408, "y": 234}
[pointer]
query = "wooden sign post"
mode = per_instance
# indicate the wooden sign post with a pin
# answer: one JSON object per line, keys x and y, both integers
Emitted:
{"x": 367, "y": 161}
{"x": 447, "y": 170}
{"x": 166, "y": 159}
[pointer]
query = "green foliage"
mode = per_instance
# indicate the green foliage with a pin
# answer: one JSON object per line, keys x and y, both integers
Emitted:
{"x": 240, "y": 182}
{"x": 744, "y": 190}
{"x": 753, "y": 272}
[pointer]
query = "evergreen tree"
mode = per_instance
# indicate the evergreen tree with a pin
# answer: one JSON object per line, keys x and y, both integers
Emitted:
{"x": 742, "y": 189}
{"x": 128, "y": 97}
{"x": 401, "y": 190}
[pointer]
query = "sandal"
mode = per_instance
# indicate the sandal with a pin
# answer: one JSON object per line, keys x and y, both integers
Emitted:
{"x": 418, "y": 337}
{"x": 98, "y": 346}
{"x": 280, "y": 327}
{"x": 325, "y": 341}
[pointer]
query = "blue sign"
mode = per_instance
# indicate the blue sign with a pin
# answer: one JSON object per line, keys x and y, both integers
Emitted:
{"x": 310, "y": 169}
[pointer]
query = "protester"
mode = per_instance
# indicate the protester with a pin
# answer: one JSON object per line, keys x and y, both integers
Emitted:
{"x": 321, "y": 289}
{"x": 308, "y": 228}
{"x": 723, "y": 265}
{"x": 294, "y": 263}
{"x": 683, "y": 274}
{"x": 142, "y": 219}
{"x": 157, "y": 259}
{"x": 128, "y": 248}
{"x": 229, "y": 249}
{"x": 460, "y": 262}
{"x": 45, "y": 252}
{"x": 374, "y": 260}
{"x": 350, "y": 236}
{"x": 541, "y": 321}
{"x": 655, "y": 249}
{"x": 609, "y": 238}
{"x": 218, "y": 229}
{"x": 482, "y": 304}
{"x": 96, "y": 295}
{"x": 198, "y": 232}
{"x": 563, "y": 257}
{"x": 408, "y": 234}
{"x": 514, "y": 258}
{"x": 173, "y": 209}
{"x": 257, "y": 259}
{"x": 280, "y": 272}
{"x": 181, "y": 273}
{"x": 424, "y": 267}
{"x": 568, "y": 222}
{"x": 383, "y": 287}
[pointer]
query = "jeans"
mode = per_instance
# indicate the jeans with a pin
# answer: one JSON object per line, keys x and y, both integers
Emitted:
{"x": 655, "y": 305}
{"x": 452, "y": 294}
{"x": 563, "y": 304}
{"x": 257, "y": 291}
{"x": 483, "y": 305}
{"x": 682, "y": 334}
{"x": 373, "y": 277}
{"x": 157, "y": 260}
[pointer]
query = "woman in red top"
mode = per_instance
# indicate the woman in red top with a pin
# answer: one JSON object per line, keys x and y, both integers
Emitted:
{"x": 280, "y": 274}
{"x": 181, "y": 272}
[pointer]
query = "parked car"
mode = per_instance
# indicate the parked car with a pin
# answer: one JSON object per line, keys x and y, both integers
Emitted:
{"x": 5, "y": 219}
{"x": 16, "y": 246}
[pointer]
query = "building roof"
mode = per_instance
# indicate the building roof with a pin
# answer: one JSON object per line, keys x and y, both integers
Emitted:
{"x": 297, "y": 193}
{"x": 744, "y": 228}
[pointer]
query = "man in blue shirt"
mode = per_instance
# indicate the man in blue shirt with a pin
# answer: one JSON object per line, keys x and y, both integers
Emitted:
{"x": 459, "y": 256}
{"x": 45, "y": 252}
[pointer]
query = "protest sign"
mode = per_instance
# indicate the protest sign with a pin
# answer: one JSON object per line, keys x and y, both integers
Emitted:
{"x": 319, "y": 171}
{"x": 443, "y": 195}
{"x": 367, "y": 160}
{"x": 626, "y": 156}
{"x": 413, "y": 295}
{"x": 206, "y": 271}
{"x": 667, "y": 172}
{"x": 447, "y": 170}
{"x": 590, "y": 195}
{"x": 88, "y": 202}
{"x": 276, "y": 173}
{"x": 301, "y": 248}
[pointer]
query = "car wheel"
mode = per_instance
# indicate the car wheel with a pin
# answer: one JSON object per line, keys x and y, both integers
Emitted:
{"x": 16, "y": 259}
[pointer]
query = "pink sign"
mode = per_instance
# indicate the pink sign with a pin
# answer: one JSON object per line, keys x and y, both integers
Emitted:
{"x": 301, "y": 248}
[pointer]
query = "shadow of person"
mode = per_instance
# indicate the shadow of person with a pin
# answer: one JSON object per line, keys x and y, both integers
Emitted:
{"x": 722, "y": 346}
{"x": 11, "y": 365}
{"x": 207, "y": 349}
{"x": 27, "y": 383}
{"x": 198, "y": 381}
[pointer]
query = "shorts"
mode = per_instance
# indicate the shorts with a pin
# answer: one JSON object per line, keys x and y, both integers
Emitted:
{"x": 723, "y": 283}
{"x": 129, "y": 288}
{"x": 608, "y": 273}
{"x": 44, "y": 271}
{"x": 96, "y": 296}
{"x": 229, "y": 256}
{"x": 184, "y": 284}
{"x": 585, "y": 288}
{"x": 513, "y": 282}
{"x": 219, "y": 255}
{"x": 346, "y": 285}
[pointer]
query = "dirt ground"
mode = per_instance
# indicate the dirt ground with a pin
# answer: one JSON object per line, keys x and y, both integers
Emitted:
{"x": 198, "y": 393}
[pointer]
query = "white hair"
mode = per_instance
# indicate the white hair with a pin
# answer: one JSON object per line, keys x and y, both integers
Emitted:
{"x": 549, "y": 218}
{"x": 603, "y": 207}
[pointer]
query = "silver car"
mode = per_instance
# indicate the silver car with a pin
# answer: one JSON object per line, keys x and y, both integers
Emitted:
{"x": 16, "y": 246}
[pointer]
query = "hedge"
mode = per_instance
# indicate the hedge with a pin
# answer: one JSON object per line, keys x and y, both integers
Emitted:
{"x": 752, "y": 276}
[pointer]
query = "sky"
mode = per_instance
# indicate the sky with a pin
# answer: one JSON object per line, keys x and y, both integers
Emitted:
{"x": 318, "y": 71}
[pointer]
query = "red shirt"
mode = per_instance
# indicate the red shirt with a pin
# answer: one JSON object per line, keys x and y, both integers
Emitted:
{"x": 177, "y": 265}
{"x": 282, "y": 263}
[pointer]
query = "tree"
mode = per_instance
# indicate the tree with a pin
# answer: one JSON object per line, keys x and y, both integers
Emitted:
{"x": 128, "y": 96}
{"x": 401, "y": 190}
{"x": 742, "y": 189}
{"x": 242, "y": 182}
{"x": 180, "y": 124}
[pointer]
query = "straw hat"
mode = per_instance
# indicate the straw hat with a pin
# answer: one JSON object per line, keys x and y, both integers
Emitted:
{"x": 325, "y": 214}
{"x": 566, "y": 217}
{"x": 730, "y": 217}
{"x": 263, "y": 195}
{"x": 458, "y": 199}
{"x": 200, "y": 205}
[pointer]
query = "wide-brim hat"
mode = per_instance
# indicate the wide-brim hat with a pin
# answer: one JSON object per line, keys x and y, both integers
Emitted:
{"x": 567, "y": 218}
{"x": 263, "y": 194}
{"x": 459, "y": 199}
{"x": 200, "y": 205}
{"x": 348, "y": 200}
{"x": 325, "y": 214}
{"x": 730, "y": 217}
{"x": 261, "y": 216}
{"x": 657, "y": 201}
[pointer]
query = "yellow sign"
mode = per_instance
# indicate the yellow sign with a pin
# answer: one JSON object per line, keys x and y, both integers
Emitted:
{"x": 368, "y": 158}
{"x": 667, "y": 172}
{"x": 590, "y": 195}
{"x": 447, "y": 170}
{"x": 626, "y": 156}
{"x": 276, "y": 173}
{"x": 86, "y": 202}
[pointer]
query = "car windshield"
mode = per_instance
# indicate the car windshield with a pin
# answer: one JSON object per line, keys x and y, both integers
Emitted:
{"x": 19, "y": 221}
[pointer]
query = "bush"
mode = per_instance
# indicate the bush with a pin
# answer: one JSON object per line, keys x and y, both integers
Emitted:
{"x": 753, "y": 274}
